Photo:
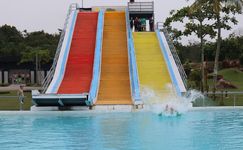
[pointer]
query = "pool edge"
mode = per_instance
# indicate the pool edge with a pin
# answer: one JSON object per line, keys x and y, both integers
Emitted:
{"x": 111, "y": 110}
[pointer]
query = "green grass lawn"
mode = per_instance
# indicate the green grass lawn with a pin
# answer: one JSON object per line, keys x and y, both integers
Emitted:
{"x": 236, "y": 78}
{"x": 233, "y": 75}
{"x": 13, "y": 103}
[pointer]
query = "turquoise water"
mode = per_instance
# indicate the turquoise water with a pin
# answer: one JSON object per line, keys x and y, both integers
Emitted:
{"x": 198, "y": 130}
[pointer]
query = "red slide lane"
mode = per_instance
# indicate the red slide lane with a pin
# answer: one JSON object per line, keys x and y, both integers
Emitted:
{"x": 79, "y": 68}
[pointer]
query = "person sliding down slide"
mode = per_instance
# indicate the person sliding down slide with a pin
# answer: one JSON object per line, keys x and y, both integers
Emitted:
{"x": 169, "y": 111}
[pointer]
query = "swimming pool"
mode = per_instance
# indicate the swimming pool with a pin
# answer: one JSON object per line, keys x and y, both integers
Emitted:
{"x": 197, "y": 130}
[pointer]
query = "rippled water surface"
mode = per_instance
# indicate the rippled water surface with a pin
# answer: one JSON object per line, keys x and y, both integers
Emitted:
{"x": 198, "y": 130}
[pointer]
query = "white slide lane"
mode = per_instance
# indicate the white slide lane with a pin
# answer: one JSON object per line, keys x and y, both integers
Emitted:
{"x": 175, "y": 70}
{"x": 62, "y": 60}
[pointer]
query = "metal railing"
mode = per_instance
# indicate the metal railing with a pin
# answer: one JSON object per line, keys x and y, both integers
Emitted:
{"x": 4, "y": 97}
{"x": 159, "y": 25}
{"x": 175, "y": 56}
{"x": 141, "y": 6}
{"x": 231, "y": 98}
{"x": 46, "y": 82}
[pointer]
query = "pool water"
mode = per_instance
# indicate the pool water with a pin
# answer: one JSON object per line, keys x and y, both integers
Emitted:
{"x": 197, "y": 130}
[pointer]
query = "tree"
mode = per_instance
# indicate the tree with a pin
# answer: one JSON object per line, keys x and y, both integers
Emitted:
{"x": 10, "y": 43}
{"x": 20, "y": 48}
{"x": 42, "y": 40}
{"x": 36, "y": 56}
{"x": 241, "y": 59}
{"x": 30, "y": 55}
{"x": 222, "y": 9}
{"x": 196, "y": 25}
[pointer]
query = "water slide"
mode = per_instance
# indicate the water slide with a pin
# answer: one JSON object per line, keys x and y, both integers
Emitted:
{"x": 157, "y": 69}
{"x": 79, "y": 67}
{"x": 101, "y": 62}
{"x": 71, "y": 81}
{"x": 114, "y": 80}
{"x": 175, "y": 68}
{"x": 76, "y": 73}
{"x": 152, "y": 69}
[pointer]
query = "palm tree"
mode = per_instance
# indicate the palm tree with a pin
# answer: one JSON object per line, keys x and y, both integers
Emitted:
{"x": 217, "y": 8}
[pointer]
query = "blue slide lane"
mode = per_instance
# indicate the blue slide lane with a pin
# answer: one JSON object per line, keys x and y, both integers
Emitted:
{"x": 166, "y": 56}
{"x": 97, "y": 61}
{"x": 132, "y": 64}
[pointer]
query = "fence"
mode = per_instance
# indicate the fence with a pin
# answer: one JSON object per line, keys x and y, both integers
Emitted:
{"x": 222, "y": 98}
{"x": 142, "y": 7}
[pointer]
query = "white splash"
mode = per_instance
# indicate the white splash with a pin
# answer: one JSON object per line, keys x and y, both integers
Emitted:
{"x": 167, "y": 103}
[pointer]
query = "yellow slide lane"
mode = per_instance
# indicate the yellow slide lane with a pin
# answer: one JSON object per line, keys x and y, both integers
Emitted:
{"x": 152, "y": 68}
{"x": 114, "y": 81}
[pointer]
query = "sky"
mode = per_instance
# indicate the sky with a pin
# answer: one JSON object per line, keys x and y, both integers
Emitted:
{"x": 49, "y": 15}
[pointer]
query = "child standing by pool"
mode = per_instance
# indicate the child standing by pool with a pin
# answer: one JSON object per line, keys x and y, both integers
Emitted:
{"x": 21, "y": 95}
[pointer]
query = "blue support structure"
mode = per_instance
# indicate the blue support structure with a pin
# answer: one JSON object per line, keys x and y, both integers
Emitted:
{"x": 134, "y": 81}
{"x": 93, "y": 93}
{"x": 166, "y": 57}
